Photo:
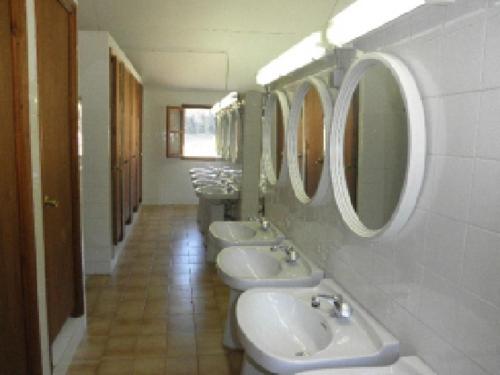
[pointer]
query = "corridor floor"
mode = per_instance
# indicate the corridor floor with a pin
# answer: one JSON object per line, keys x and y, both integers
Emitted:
{"x": 162, "y": 311}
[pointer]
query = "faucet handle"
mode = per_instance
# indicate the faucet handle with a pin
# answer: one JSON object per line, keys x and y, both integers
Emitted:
{"x": 315, "y": 302}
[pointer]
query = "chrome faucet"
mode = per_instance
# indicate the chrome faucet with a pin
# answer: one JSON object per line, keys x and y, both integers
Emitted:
{"x": 340, "y": 309}
{"x": 291, "y": 253}
{"x": 264, "y": 223}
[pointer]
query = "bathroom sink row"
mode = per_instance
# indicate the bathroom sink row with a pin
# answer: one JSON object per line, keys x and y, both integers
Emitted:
{"x": 288, "y": 318}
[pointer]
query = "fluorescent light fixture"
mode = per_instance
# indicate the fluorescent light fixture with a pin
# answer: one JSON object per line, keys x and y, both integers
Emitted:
{"x": 225, "y": 102}
{"x": 306, "y": 51}
{"x": 363, "y": 16}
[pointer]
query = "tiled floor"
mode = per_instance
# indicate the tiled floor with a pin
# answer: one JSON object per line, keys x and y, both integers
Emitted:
{"x": 162, "y": 311}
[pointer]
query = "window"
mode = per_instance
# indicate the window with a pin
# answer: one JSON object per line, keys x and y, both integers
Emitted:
{"x": 191, "y": 132}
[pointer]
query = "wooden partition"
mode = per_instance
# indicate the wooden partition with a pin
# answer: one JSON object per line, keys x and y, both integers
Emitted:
{"x": 126, "y": 145}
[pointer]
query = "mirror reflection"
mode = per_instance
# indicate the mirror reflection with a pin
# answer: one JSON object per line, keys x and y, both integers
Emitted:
{"x": 277, "y": 135}
{"x": 375, "y": 147}
{"x": 311, "y": 142}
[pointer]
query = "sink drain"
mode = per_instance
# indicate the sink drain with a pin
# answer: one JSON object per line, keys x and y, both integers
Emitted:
{"x": 301, "y": 354}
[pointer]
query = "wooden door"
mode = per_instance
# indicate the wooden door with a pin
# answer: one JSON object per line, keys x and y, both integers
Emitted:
{"x": 116, "y": 150}
{"x": 140, "y": 100}
{"x": 314, "y": 138}
{"x": 19, "y": 338}
{"x": 134, "y": 138}
{"x": 351, "y": 149}
{"x": 57, "y": 96}
{"x": 127, "y": 206}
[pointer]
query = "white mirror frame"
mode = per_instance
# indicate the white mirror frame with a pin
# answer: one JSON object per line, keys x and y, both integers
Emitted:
{"x": 291, "y": 140}
{"x": 225, "y": 135}
{"x": 235, "y": 126}
{"x": 416, "y": 145}
{"x": 275, "y": 98}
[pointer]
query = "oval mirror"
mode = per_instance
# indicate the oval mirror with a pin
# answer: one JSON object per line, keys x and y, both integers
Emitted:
{"x": 235, "y": 125}
{"x": 273, "y": 132}
{"x": 226, "y": 135}
{"x": 307, "y": 134}
{"x": 378, "y": 146}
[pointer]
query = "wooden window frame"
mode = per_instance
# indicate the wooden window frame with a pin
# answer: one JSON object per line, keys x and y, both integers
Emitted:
{"x": 181, "y": 133}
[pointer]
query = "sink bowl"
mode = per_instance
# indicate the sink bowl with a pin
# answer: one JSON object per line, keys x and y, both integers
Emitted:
{"x": 245, "y": 267}
{"x": 404, "y": 366}
{"x": 216, "y": 192}
{"x": 205, "y": 181}
{"x": 304, "y": 338}
{"x": 230, "y": 233}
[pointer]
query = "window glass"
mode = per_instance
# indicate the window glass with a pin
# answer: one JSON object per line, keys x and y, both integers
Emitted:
{"x": 199, "y": 133}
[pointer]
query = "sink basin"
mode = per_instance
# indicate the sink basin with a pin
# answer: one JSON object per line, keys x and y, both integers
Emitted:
{"x": 404, "y": 366}
{"x": 205, "y": 181}
{"x": 244, "y": 233}
{"x": 216, "y": 192}
{"x": 304, "y": 338}
{"x": 245, "y": 267}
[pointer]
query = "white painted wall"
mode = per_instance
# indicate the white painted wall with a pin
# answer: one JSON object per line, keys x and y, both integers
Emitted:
{"x": 436, "y": 285}
{"x": 166, "y": 180}
{"x": 94, "y": 90}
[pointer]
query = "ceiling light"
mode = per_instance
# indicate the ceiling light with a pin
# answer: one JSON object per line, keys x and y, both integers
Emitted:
{"x": 365, "y": 15}
{"x": 306, "y": 51}
{"x": 225, "y": 102}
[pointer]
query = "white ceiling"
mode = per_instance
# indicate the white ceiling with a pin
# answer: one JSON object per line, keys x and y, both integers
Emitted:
{"x": 204, "y": 44}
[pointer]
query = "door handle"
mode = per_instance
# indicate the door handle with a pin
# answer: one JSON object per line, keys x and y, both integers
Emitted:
{"x": 48, "y": 202}
{"x": 319, "y": 161}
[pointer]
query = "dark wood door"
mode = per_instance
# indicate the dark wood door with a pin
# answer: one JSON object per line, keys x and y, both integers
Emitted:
{"x": 56, "y": 52}
{"x": 134, "y": 144}
{"x": 314, "y": 139}
{"x": 116, "y": 148}
{"x": 13, "y": 340}
{"x": 139, "y": 167}
{"x": 126, "y": 167}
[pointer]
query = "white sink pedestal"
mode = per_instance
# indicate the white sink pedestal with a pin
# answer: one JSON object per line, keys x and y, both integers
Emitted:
{"x": 249, "y": 367}
{"x": 230, "y": 339}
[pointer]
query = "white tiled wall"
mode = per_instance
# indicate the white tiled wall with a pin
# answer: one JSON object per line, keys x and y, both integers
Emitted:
{"x": 93, "y": 53}
{"x": 437, "y": 285}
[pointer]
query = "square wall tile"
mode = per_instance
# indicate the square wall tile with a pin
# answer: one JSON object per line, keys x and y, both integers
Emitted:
{"x": 485, "y": 204}
{"x": 488, "y": 139}
{"x": 482, "y": 264}
{"x": 444, "y": 246}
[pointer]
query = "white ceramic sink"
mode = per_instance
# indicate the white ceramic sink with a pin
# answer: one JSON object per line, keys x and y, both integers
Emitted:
{"x": 404, "y": 366}
{"x": 245, "y": 267}
{"x": 231, "y": 233}
{"x": 304, "y": 338}
{"x": 205, "y": 181}
{"x": 216, "y": 192}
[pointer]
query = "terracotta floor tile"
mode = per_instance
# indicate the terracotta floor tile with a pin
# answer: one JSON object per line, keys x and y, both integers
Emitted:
{"x": 162, "y": 311}
{"x": 182, "y": 366}
{"x": 83, "y": 368}
{"x": 91, "y": 348}
{"x": 213, "y": 364}
{"x": 209, "y": 342}
{"x": 122, "y": 366}
{"x": 149, "y": 366}
{"x": 122, "y": 346}
{"x": 151, "y": 345}
{"x": 126, "y": 327}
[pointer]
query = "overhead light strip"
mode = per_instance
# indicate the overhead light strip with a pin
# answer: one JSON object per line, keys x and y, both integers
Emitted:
{"x": 306, "y": 51}
{"x": 225, "y": 102}
{"x": 356, "y": 20}
{"x": 363, "y": 16}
